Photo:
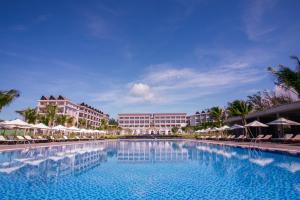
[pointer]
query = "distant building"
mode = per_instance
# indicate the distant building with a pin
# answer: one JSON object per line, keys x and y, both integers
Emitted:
{"x": 152, "y": 123}
{"x": 198, "y": 118}
{"x": 71, "y": 109}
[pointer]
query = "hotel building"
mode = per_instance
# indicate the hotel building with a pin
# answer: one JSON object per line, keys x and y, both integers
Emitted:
{"x": 198, "y": 118}
{"x": 77, "y": 111}
{"x": 152, "y": 123}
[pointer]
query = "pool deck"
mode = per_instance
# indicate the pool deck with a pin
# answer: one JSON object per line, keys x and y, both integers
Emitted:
{"x": 293, "y": 149}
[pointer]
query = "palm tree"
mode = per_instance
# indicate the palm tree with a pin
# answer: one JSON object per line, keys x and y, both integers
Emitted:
{"x": 7, "y": 96}
{"x": 82, "y": 122}
{"x": 61, "y": 119}
{"x": 30, "y": 115}
{"x": 51, "y": 111}
{"x": 103, "y": 124}
{"x": 240, "y": 108}
{"x": 70, "y": 121}
{"x": 217, "y": 114}
{"x": 286, "y": 77}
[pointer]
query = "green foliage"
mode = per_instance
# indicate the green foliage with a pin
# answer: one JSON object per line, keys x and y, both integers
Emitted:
{"x": 30, "y": 115}
{"x": 218, "y": 114}
{"x": 51, "y": 111}
{"x": 82, "y": 123}
{"x": 7, "y": 96}
{"x": 239, "y": 108}
{"x": 61, "y": 119}
{"x": 103, "y": 124}
{"x": 174, "y": 130}
{"x": 113, "y": 122}
{"x": 288, "y": 77}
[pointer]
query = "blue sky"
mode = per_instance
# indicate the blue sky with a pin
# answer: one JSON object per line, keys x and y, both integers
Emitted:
{"x": 144, "y": 56}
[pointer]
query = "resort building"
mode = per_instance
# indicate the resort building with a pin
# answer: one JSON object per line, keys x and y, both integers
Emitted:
{"x": 152, "y": 123}
{"x": 66, "y": 107}
{"x": 198, "y": 118}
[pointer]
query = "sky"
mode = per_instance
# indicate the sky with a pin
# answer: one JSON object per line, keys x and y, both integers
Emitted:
{"x": 144, "y": 55}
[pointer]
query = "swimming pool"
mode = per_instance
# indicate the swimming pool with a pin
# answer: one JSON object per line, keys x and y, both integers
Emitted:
{"x": 152, "y": 169}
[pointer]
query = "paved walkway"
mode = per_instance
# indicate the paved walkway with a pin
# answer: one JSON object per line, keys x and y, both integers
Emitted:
{"x": 288, "y": 148}
{"x": 267, "y": 146}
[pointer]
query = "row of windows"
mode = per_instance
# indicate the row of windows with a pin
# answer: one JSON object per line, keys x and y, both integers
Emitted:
{"x": 147, "y": 122}
{"x": 141, "y": 126}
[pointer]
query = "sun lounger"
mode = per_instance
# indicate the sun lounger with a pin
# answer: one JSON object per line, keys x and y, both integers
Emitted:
{"x": 29, "y": 138}
{"x": 21, "y": 139}
{"x": 286, "y": 138}
{"x": 3, "y": 140}
{"x": 296, "y": 138}
{"x": 241, "y": 137}
{"x": 42, "y": 139}
{"x": 266, "y": 138}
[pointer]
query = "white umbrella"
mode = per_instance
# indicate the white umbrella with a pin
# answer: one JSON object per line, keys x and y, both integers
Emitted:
{"x": 59, "y": 128}
{"x": 73, "y": 128}
{"x": 256, "y": 124}
{"x": 17, "y": 123}
{"x": 225, "y": 127}
{"x": 40, "y": 126}
{"x": 236, "y": 126}
{"x": 283, "y": 122}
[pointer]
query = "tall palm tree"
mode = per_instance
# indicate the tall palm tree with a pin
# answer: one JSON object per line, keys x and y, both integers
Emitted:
{"x": 287, "y": 77}
{"x": 217, "y": 114}
{"x": 7, "y": 96}
{"x": 70, "y": 121}
{"x": 51, "y": 112}
{"x": 240, "y": 108}
{"x": 103, "y": 124}
{"x": 82, "y": 123}
{"x": 61, "y": 119}
{"x": 30, "y": 115}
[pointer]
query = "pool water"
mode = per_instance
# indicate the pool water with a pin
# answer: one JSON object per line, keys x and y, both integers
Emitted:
{"x": 152, "y": 169}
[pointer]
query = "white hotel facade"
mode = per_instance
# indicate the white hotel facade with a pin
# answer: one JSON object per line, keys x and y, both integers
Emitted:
{"x": 152, "y": 123}
{"x": 91, "y": 115}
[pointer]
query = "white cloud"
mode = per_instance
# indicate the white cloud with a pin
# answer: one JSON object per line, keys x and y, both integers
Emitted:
{"x": 142, "y": 92}
{"x": 255, "y": 16}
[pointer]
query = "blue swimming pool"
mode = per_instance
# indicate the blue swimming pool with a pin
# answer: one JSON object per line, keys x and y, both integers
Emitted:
{"x": 153, "y": 169}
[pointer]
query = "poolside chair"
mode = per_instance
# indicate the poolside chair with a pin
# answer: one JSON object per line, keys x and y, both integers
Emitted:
{"x": 286, "y": 138}
{"x": 21, "y": 139}
{"x": 30, "y": 139}
{"x": 241, "y": 137}
{"x": 3, "y": 140}
{"x": 266, "y": 138}
{"x": 77, "y": 138}
{"x": 296, "y": 138}
{"x": 41, "y": 139}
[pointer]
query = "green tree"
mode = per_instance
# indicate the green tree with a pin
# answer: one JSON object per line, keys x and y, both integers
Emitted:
{"x": 113, "y": 122}
{"x": 82, "y": 123}
{"x": 30, "y": 115}
{"x": 218, "y": 115}
{"x": 240, "y": 108}
{"x": 103, "y": 124}
{"x": 61, "y": 119}
{"x": 287, "y": 77}
{"x": 43, "y": 119}
{"x": 174, "y": 130}
{"x": 70, "y": 121}
{"x": 51, "y": 113}
{"x": 7, "y": 96}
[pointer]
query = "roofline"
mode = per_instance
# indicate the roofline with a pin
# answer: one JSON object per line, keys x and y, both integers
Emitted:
{"x": 270, "y": 111}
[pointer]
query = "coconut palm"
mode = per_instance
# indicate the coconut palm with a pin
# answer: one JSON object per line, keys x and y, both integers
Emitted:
{"x": 30, "y": 115}
{"x": 7, "y": 96}
{"x": 103, "y": 124}
{"x": 70, "y": 121}
{"x": 217, "y": 114}
{"x": 61, "y": 119}
{"x": 287, "y": 77}
{"x": 82, "y": 122}
{"x": 240, "y": 108}
{"x": 51, "y": 112}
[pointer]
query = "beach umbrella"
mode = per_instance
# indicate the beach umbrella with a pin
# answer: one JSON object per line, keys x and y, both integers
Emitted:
{"x": 283, "y": 122}
{"x": 236, "y": 126}
{"x": 17, "y": 123}
{"x": 73, "y": 128}
{"x": 256, "y": 124}
{"x": 40, "y": 126}
{"x": 59, "y": 128}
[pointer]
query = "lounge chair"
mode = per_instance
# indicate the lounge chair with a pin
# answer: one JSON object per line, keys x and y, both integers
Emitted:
{"x": 241, "y": 137}
{"x": 231, "y": 137}
{"x": 296, "y": 138}
{"x": 286, "y": 138}
{"x": 3, "y": 140}
{"x": 77, "y": 138}
{"x": 21, "y": 139}
{"x": 30, "y": 139}
{"x": 41, "y": 139}
{"x": 266, "y": 138}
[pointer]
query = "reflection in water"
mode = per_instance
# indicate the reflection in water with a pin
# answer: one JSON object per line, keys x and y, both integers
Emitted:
{"x": 78, "y": 158}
